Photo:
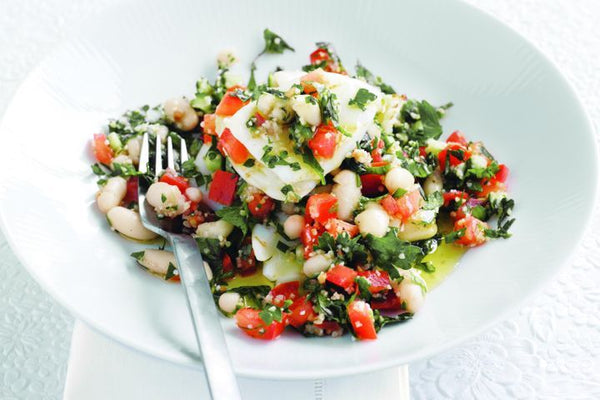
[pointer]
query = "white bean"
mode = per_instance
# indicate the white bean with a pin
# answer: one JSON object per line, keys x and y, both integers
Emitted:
{"x": 179, "y": 111}
{"x": 166, "y": 199}
{"x": 157, "y": 260}
{"x": 121, "y": 159}
{"x": 307, "y": 109}
{"x": 194, "y": 194}
{"x": 128, "y": 223}
{"x": 134, "y": 147}
{"x": 433, "y": 183}
{"x": 215, "y": 230}
{"x": 208, "y": 270}
{"x": 411, "y": 294}
{"x": 415, "y": 230}
{"x": 228, "y": 302}
{"x": 111, "y": 194}
{"x": 226, "y": 58}
{"x": 316, "y": 264}
{"x": 398, "y": 178}
{"x": 347, "y": 191}
{"x": 373, "y": 220}
{"x": 293, "y": 226}
{"x": 265, "y": 104}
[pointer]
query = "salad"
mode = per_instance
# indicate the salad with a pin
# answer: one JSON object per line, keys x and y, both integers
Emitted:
{"x": 321, "y": 199}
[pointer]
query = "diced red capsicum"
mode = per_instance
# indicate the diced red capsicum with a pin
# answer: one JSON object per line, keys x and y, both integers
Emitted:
{"x": 321, "y": 207}
{"x": 175, "y": 180}
{"x": 230, "y": 103}
{"x": 261, "y": 206}
{"x": 301, "y": 312}
{"x": 457, "y": 137}
{"x": 102, "y": 150}
{"x": 361, "y": 320}
{"x": 403, "y": 207}
{"x": 343, "y": 277}
{"x": 249, "y": 321}
{"x": 336, "y": 226}
{"x": 379, "y": 281}
{"x": 474, "y": 231}
{"x": 372, "y": 184}
{"x": 222, "y": 187}
{"x": 284, "y": 291}
{"x": 324, "y": 141}
{"x": 229, "y": 145}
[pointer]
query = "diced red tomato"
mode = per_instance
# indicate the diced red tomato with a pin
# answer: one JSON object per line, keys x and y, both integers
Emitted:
{"x": 343, "y": 277}
{"x": 285, "y": 291}
{"x": 261, "y": 206}
{"x": 324, "y": 141}
{"x": 321, "y": 207}
{"x": 230, "y": 104}
{"x": 404, "y": 207}
{"x": 222, "y": 187}
{"x": 229, "y": 145}
{"x": 372, "y": 184}
{"x": 309, "y": 237}
{"x": 209, "y": 124}
{"x": 474, "y": 231}
{"x": 175, "y": 180}
{"x": 389, "y": 302}
{"x": 249, "y": 320}
{"x": 454, "y": 196}
{"x": 377, "y": 152}
{"x": 361, "y": 319}
{"x": 502, "y": 174}
{"x": 336, "y": 226}
{"x": 490, "y": 186}
{"x": 207, "y": 139}
{"x": 457, "y": 137}
{"x": 102, "y": 150}
{"x": 227, "y": 263}
{"x": 454, "y": 161}
{"x": 422, "y": 151}
{"x": 131, "y": 195}
{"x": 301, "y": 312}
{"x": 379, "y": 280}
{"x": 320, "y": 55}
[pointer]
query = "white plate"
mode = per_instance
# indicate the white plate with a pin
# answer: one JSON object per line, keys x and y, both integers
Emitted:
{"x": 505, "y": 93}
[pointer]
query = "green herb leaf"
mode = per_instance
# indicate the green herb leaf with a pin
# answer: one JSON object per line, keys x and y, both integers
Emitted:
{"x": 363, "y": 96}
{"x": 236, "y": 216}
{"x": 389, "y": 252}
{"x": 138, "y": 255}
{"x": 171, "y": 272}
{"x": 274, "y": 44}
{"x": 454, "y": 235}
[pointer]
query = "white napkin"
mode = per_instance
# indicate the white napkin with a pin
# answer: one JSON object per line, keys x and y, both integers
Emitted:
{"x": 101, "y": 369}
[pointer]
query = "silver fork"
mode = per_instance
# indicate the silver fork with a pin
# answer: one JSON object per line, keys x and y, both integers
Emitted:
{"x": 205, "y": 318}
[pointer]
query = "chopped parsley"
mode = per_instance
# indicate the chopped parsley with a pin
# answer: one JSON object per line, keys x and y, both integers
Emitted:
{"x": 237, "y": 216}
{"x": 363, "y": 96}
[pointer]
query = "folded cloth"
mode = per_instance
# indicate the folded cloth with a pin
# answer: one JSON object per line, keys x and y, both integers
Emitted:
{"x": 101, "y": 369}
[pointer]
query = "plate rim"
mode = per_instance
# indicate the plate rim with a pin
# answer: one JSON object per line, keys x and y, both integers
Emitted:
{"x": 371, "y": 366}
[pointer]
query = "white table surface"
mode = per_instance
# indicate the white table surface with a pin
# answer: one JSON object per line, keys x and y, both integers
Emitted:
{"x": 550, "y": 348}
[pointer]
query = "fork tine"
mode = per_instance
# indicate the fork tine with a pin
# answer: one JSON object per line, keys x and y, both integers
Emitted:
{"x": 158, "y": 157}
{"x": 183, "y": 154}
{"x": 170, "y": 162}
{"x": 144, "y": 155}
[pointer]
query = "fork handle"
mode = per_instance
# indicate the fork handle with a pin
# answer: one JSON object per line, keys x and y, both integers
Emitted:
{"x": 205, "y": 318}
